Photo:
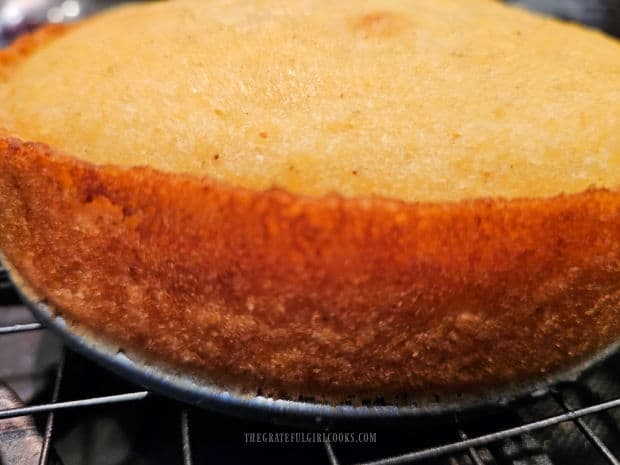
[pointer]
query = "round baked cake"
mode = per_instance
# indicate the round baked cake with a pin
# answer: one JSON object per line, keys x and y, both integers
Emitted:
{"x": 388, "y": 198}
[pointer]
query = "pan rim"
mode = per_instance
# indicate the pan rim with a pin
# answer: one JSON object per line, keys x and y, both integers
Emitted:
{"x": 197, "y": 391}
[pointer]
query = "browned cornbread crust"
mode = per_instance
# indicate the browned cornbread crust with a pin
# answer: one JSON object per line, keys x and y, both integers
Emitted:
{"x": 25, "y": 45}
{"x": 328, "y": 297}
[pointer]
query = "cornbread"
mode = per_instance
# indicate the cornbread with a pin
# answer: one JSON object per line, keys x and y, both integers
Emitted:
{"x": 330, "y": 199}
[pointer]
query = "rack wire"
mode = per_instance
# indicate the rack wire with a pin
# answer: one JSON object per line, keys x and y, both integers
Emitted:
{"x": 463, "y": 443}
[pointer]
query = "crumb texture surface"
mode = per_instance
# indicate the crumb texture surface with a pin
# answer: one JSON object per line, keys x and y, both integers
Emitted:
{"x": 415, "y": 100}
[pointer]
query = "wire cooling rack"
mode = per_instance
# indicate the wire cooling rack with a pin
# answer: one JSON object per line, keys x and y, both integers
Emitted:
{"x": 467, "y": 447}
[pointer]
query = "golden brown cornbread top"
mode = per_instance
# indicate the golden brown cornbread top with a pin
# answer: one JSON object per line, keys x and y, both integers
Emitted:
{"x": 427, "y": 100}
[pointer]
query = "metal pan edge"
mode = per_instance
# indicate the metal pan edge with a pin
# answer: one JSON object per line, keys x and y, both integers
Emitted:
{"x": 193, "y": 390}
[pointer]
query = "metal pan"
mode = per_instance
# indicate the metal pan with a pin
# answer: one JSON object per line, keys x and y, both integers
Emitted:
{"x": 195, "y": 391}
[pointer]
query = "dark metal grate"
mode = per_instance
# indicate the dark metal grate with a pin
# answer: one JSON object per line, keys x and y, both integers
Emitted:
{"x": 496, "y": 446}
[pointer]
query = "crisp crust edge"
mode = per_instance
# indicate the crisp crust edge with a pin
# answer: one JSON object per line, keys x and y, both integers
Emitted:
{"x": 27, "y": 44}
{"x": 320, "y": 297}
